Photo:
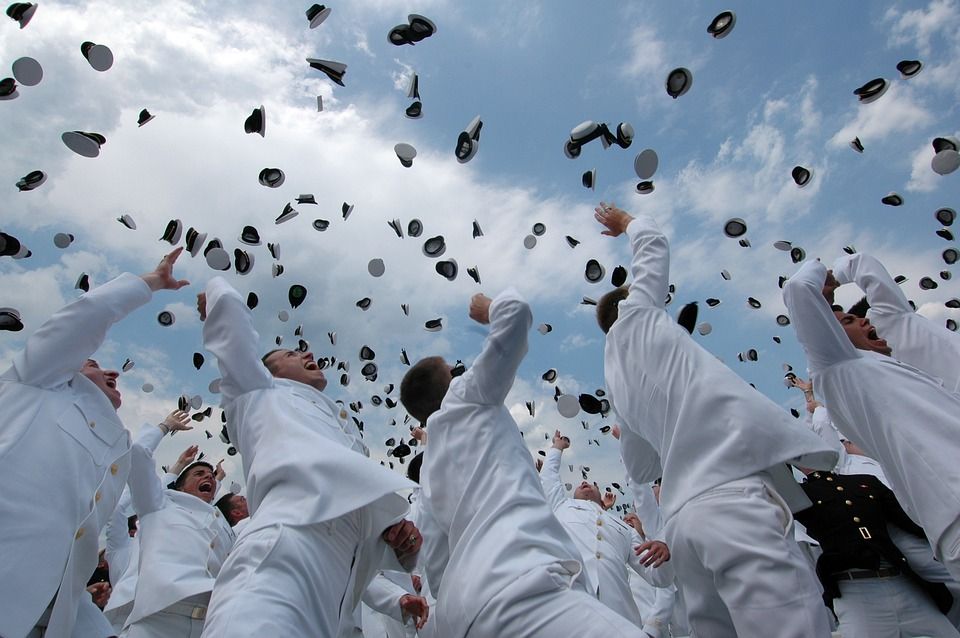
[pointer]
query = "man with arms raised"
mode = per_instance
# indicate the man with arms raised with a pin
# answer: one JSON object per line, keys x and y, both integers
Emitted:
{"x": 513, "y": 570}
{"x": 721, "y": 448}
{"x": 322, "y": 514}
{"x": 61, "y": 411}
{"x": 900, "y": 416}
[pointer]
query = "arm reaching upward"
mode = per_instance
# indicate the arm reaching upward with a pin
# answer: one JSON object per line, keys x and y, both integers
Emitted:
{"x": 494, "y": 370}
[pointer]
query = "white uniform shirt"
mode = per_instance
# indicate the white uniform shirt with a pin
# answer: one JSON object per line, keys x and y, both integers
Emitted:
{"x": 900, "y": 416}
{"x": 302, "y": 460}
{"x": 606, "y": 544}
{"x": 63, "y": 461}
{"x": 183, "y": 540}
{"x": 481, "y": 487}
{"x": 914, "y": 339}
{"x": 681, "y": 410}
{"x": 123, "y": 552}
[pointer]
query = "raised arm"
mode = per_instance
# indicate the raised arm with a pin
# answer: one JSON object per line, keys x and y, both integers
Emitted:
{"x": 229, "y": 334}
{"x": 146, "y": 489}
{"x": 550, "y": 473}
{"x": 59, "y": 348}
{"x": 640, "y": 459}
{"x": 818, "y": 330}
{"x": 492, "y": 374}
{"x": 883, "y": 294}
{"x": 650, "y": 263}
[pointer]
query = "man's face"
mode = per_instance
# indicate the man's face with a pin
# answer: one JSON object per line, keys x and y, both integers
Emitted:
{"x": 297, "y": 366}
{"x": 861, "y": 334}
{"x": 238, "y": 509}
{"x": 200, "y": 482}
{"x": 588, "y": 492}
{"x": 106, "y": 380}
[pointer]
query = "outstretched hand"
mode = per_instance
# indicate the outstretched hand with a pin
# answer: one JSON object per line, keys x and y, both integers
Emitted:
{"x": 202, "y": 305}
{"x": 177, "y": 420}
{"x": 609, "y": 500}
{"x": 559, "y": 441}
{"x": 614, "y": 219}
{"x": 830, "y": 286}
{"x": 162, "y": 276}
{"x": 652, "y": 553}
{"x": 186, "y": 458}
{"x": 404, "y": 538}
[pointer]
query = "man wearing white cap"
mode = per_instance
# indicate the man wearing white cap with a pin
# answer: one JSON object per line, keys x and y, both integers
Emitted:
{"x": 721, "y": 448}
{"x": 123, "y": 540}
{"x": 183, "y": 543}
{"x": 913, "y": 339}
{"x": 607, "y": 545}
{"x": 512, "y": 570}
{"x": 61, "y": 408}
{"x": 323, "y": 517}
{"x": 900, "y": 416}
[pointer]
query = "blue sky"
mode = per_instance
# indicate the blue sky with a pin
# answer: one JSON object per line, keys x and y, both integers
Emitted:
{"x": 777, "y": 92}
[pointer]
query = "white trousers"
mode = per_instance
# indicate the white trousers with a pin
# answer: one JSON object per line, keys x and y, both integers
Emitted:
{"x": 541, "y": 604}
{"x": 176, "y": 621}
{"x": 740, "y": 568}
{"x": 284, "y": 581}
{"x": 888, "y": 608}
{"x": 920, "y": 557}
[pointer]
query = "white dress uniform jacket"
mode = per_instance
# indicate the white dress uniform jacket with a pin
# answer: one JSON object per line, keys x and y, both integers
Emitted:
{"x": 914, "y": 339}
{"x": 57, "y": 418}
{"x": 497, "y": 522}
{"x": 123, "y": 552}
{"x": 302, "y": 459}
{"x": 605, "y": 543}
{"x": 183, "y": 540}
{"x": 900, "y": 416}
{"x": 682, "y": 410}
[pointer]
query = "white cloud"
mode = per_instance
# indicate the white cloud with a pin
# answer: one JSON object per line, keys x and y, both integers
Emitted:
{"x": 648, "y": 53}
{"x": 922, "y": 177}
{"x": 918, "y": 27}
{"x": 898, "y": 111}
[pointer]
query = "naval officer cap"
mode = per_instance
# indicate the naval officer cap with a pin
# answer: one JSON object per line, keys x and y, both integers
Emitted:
{"x": 721, "y": 26}
{"x": 27, "y": 71}
{"x": 333, "y": 70}
{"x": 678, "y": 82}
{"x": 82, "y": 143}
{"x": 83, "y": 282}
{"x": 589, "y": 179}
{"x": 21, "y": 12}
{"x": 734, "y": 228}
{"x": 434, "y": 246}
{"x": 645, "y": 164}
{"x": 892, "y": 199}
{"x": 801, "y": 176}
{"x": 618, "y": 277}
{"x": 405, "y": 153}
{"x": 316, "y": 14}
{"x": 31, "y": 180}
{"x": 433, "y": 325}
{"x": 447, "y": 269}
{"x": 99, "y": 56}
{"x": 242, "y": 261}
{"x": 468, "y": 142}
{"x": 288, "y": 213}
{"x": 872, "y": 90}
{"x": 166, "y": 318}
{"x": 417, "y": 29}
{"x": 296, "y": 295}
{"x": 946, "y": 216}
{"x": 62, "y": 240}
{"x": 10, "y": 320}
{"x": 856, "y": 144}
{"x": 172, "y": 232}
{"x": 256, "y": 122}
{"x": 594, "y": 272}
{"x": 8, "y": 89}
{"x": 909, "y": 68}
{"x": 9, "y": 245}
{"x": 539, "y": 228}
{"x": 272, "y": 177}
{"x": 250, "y": 236}
{"x": 950, "y": 256}
{"x": 194, "y": 241}
{"x": 375, "y": 267}
{"x": 144, "y": 117}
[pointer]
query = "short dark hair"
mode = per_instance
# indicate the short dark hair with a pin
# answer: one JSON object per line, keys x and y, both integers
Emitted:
{"x": 413, "y": 469}
{"x": 607, "y": 307}
{"x": 860, "y": 308}
{"x": 423, "y": 388}
{"x": 267, "y": 356}
{"x": 836, "y": 308}
{"x": 223, "y": 504}
{"x": 177, "y": 484}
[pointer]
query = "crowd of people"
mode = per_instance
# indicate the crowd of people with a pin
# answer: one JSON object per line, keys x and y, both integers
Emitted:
{"x": 744, "y": 521}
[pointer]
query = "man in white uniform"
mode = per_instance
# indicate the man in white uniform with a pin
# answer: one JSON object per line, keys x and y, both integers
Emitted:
{"x": 914, "y": 339}
{"x": 721, "y": 448}
{"x": 183, "y": 542}
{"x": 123, "y": 544}
{"x": 512, "y": 570}
{"x": 62, "y": 407}
{"x": 323, "y": 517}
{"x": 900, "y": 416}
{"x": 607, "y": 545}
